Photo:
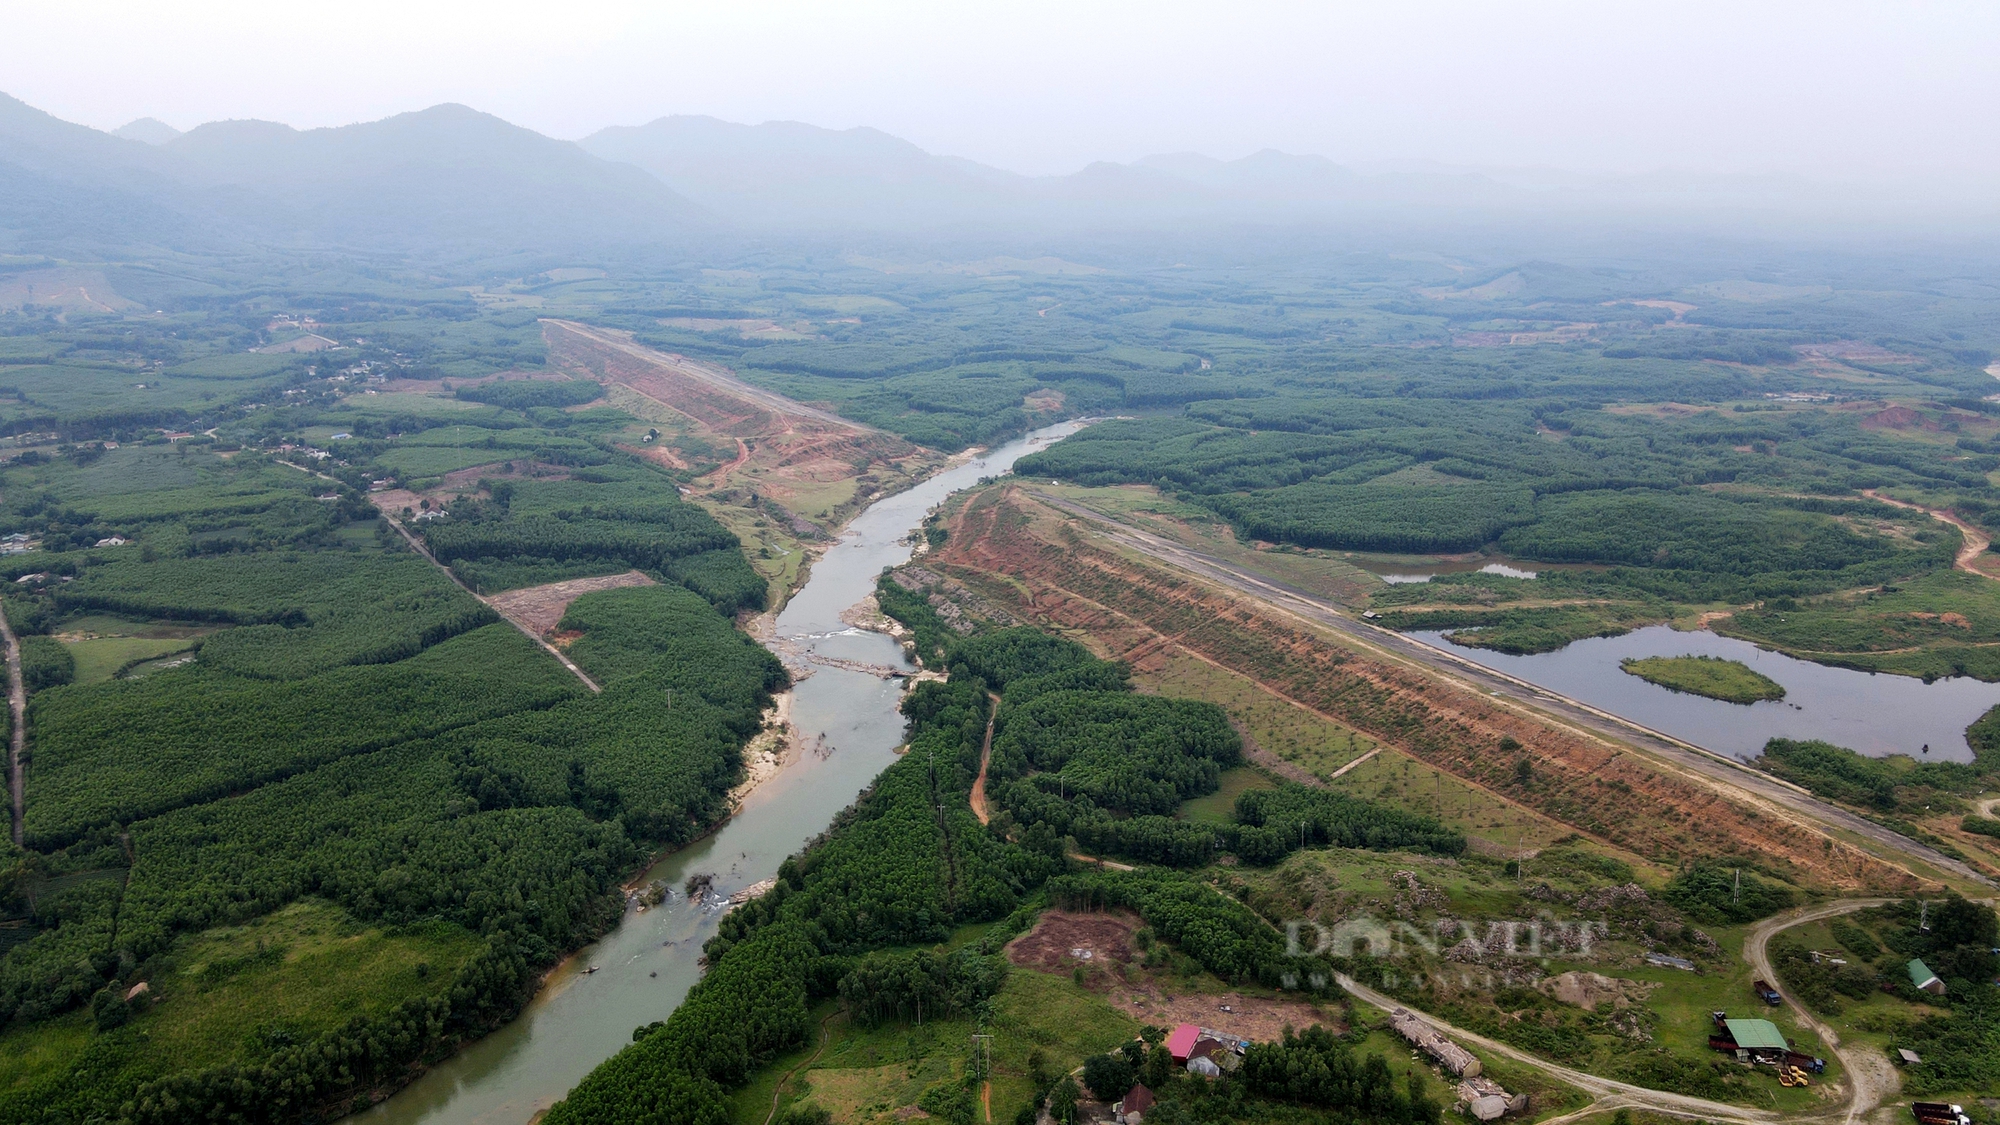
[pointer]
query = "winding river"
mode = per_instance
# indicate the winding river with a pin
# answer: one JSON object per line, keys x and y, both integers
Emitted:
{"x": 848, "y": 727}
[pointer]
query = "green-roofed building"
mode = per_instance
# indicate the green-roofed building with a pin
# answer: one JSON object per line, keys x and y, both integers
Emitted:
{"x": 1923, "y": 980}
{"x": 1756, "y": 1035}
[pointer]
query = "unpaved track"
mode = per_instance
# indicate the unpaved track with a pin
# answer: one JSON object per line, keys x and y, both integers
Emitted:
{"x": 1609, "y": 1094}
{"x": 17, "y": 706}
{"x": 1602, "y": 724}
{"x": 1976, "y": 541}
{"x": 1870, "y": 1078}
{"x": 985, "y": 755}
{"x": 552, "y": 650}
{"x": 537, "y": 609}
{"x": 824, "y": 1038}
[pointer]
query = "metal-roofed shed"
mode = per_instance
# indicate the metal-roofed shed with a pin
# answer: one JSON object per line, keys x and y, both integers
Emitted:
{"x": 1923, "y": 980}
{"x": 1756, "y": 1035}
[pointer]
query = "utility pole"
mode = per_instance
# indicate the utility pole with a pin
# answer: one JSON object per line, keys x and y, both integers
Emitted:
{"x": 982, "y": 1046}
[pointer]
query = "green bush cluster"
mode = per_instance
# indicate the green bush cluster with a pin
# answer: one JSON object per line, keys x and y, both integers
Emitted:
{"x": 1275, "y": 821}
{"x": 523, "y": 394}
{"x": 1717, "y": 895}
{"x": 1884, "y": 783}
{"x": 627, "y": 519}
{"x": 517, "y": 826}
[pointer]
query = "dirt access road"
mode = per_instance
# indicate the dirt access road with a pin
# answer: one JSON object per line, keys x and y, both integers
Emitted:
{"x": 1609, "y": 1094}
{"x": 417, "y": 546}
{"x": 1870, "y": 1077}
{"x": 1602, "y": 724}
{"x": 1976, "y": 541}
{"x": 985, "y": 756}
{"x": 537, "y": 609}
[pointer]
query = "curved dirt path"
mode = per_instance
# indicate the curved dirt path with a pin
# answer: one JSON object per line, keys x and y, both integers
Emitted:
{"x": 721, "y": 472}
{"x": 1976, "y": 541}
{"x": 1609, "y": 1093}
{"x": 978, "y": 798}
{"x": 1870, "y": 1077}
{"x": 824, "y": 1038}
{"x": 17, "y": 707}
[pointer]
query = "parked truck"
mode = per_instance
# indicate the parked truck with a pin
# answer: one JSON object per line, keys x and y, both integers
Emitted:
{"x": 1805, "y": 1062}
{"x": 1939, "y": 1113}
{"x": 1766, "y": 993}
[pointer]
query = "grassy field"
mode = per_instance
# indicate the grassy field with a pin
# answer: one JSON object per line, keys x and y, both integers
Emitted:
{"x": 1219, "y": 807}
{"x": 100, "y": 659}
{"x": 1396, "y": 779}
{"x": 232, "y": 994}
{"x": 864, "y": 1075}
{"x": 1661, "y": 1040}
{"x": 1315, "y": 743}
{"x": 1941, "y": 624}
{"x": 1731, "y": 681}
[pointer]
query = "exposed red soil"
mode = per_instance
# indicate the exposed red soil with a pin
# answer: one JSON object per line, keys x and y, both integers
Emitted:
{"x": 658, "y": 454}
{"x": 1133, "y": 610}
{"x": 1113, "y": 971}
{"x": 1899, "y": 418}
{"x": 538, "y": 608}
{"x": 1049, "y": 946}
{"x": 784, "y": 449}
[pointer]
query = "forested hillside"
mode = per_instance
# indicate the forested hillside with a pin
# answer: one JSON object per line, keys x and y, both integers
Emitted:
{"x": 909, "y": 864}
{"x": 302, "y": 812}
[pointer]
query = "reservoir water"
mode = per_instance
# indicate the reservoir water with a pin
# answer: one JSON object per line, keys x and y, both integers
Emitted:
{"x": 647, "y": 964}
{"x": 1874, "y": 713}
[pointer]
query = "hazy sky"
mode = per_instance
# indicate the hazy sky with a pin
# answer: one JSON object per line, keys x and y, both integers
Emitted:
{"x": 1881, "y": 90}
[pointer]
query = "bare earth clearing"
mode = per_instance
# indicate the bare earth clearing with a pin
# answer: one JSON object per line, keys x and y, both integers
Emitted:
{"x": 817, "y": 466}
{"x": 1112, "y": 969}
{"x": 537, "y": 609}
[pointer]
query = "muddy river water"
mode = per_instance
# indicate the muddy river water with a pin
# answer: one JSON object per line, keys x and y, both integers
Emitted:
{"x": 640, "y": 971}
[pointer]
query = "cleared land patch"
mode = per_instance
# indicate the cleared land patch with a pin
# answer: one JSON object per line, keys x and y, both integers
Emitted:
{"x": 538, "y": 608}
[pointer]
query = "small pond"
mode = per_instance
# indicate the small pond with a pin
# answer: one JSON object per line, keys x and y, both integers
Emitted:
{"x": 1876, "y": 714}
{"x": 1431, "y": 572}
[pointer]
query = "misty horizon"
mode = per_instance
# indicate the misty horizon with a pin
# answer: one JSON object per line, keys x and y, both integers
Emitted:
{"x": 1837, "y": 93}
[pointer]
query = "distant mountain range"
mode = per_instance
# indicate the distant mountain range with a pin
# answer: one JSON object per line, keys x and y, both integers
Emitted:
{"x": 453, "y": 181}
{"x": 787, "y": 174}
{"x": 446, "y": 179}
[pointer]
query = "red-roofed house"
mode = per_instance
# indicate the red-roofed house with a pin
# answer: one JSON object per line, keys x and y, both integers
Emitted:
{"x": 1181, "y": 1042}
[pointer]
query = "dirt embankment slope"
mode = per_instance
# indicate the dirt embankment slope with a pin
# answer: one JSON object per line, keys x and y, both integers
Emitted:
{"x": 816, "y": 465}
{"x": 1058, "y": 575}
